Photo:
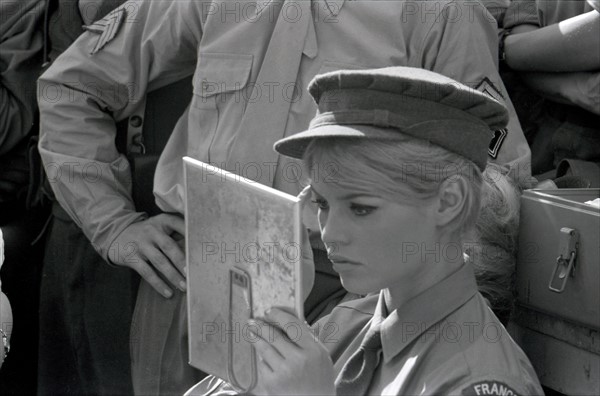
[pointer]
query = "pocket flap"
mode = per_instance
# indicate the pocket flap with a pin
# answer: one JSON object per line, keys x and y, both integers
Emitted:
{"x": 218, "y": 73}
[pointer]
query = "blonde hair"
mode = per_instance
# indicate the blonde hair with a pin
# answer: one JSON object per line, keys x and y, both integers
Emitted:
{"x": 493, "y": 246}
{"x": 406, "y": 170}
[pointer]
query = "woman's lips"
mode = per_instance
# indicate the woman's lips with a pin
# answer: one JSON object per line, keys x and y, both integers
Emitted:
{"x": 341, "y": 263}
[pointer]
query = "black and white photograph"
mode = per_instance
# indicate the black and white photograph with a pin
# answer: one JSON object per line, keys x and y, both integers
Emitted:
{"x": 299, "y": 197}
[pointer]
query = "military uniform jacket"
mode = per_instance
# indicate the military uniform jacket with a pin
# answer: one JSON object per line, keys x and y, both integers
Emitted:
{"x": 148, "y": 44}
{"x": 21, "y": 28}
{"x": 583, "y": 89}
{"x": 445, "y": 341}
{"x": 20, "y": 60}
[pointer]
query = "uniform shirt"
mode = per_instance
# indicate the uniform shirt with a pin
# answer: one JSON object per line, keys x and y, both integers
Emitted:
{"x": 543, "y": 12}
{"x": 445, "y": 341}
{"x": 21, "y": 45}
{"x": 20, "y": 61}
{"x": 67, "y": 17}
{"x": 146, "y": 45}
{"x": 580, "y": 89}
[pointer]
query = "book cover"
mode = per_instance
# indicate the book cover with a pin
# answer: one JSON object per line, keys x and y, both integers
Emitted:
{"x": 243, "y": 257}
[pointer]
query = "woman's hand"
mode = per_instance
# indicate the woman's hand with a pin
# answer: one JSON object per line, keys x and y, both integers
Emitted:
{"x": 290, "y": 359}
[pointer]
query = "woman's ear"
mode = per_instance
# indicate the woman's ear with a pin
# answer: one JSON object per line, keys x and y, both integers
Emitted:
{"x": 452, "y": 196}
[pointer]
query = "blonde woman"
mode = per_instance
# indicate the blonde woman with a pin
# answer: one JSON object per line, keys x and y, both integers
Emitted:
{"x": 405, "y": 149}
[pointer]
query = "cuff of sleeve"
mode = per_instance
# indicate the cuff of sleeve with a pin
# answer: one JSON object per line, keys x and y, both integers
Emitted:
{"x": 106, "y": 248}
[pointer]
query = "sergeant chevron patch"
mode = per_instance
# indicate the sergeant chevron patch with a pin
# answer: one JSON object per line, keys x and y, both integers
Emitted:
{"x": 108, "y": 27}
{"x": 486, "y": 87}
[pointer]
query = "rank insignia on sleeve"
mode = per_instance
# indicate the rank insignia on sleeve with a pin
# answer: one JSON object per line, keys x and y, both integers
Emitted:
{"x": 96, "y": 27}
{"x": 489, "y": 388}
{"x": 486, "y": 87}
{"x": 496, "y": 142}
{"x": 107, "y": 28}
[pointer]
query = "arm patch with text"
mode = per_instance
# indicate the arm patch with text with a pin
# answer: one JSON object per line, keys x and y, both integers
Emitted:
{"x": 482, "y": 388}
{"x": 486, "y": 87}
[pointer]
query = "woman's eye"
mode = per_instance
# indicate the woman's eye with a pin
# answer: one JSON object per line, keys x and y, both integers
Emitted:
{"x": 362, "y": 210}
{"x": 321, "y": 203}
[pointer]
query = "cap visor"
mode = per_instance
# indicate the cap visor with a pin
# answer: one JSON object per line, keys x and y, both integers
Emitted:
{"x": 294, "y": 146}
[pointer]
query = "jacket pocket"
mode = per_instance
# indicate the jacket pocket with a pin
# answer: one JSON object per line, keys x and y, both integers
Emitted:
{"x": 219, "y": 73}
{"x": 219, "y": 86}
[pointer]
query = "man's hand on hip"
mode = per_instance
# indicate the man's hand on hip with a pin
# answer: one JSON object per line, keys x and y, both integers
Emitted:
{"x": 150, "y": 247}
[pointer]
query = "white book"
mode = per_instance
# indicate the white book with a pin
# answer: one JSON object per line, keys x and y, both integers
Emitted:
{"x": 243, "y": 257}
